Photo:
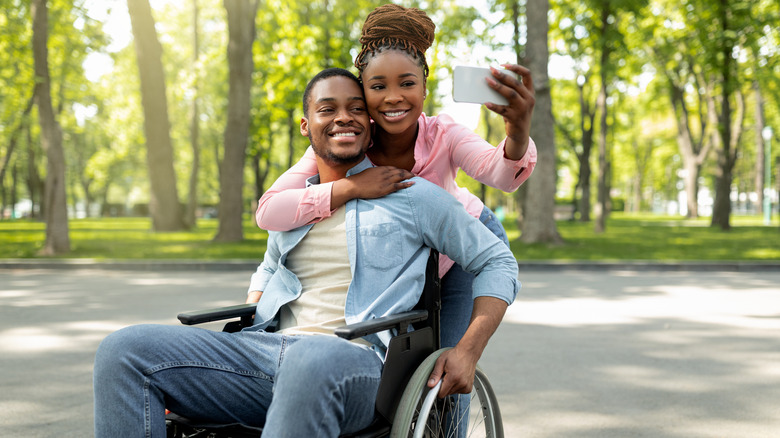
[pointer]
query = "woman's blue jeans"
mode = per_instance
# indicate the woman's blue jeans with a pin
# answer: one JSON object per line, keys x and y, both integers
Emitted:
{"x": 458, "y": 302}
{"x": 456, "y": 290}
{"x": 293, "y": 386}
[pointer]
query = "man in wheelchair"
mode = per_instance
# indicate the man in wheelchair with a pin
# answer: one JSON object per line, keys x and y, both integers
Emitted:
{"x": 365, "y": 261}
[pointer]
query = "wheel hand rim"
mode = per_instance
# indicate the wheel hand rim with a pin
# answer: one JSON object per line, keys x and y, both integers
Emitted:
{"x": 426, "y": 407}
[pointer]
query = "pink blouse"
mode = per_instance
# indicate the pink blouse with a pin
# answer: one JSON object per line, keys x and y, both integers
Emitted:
{"x": 441, "y": 148}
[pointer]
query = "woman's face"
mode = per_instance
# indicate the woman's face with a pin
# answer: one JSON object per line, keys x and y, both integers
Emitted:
{"x": 395, "y": 91}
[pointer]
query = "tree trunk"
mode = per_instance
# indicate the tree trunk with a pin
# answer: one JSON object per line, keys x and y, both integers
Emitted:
{"x": 81, "y": 143}
{"x": 35, "y": 186}
{"x": 12, "y": 142}
{"x": 693, "y": 152}
{"x": 164, "y": 199}
{"x": 603, "y": 185}
{"x": 587, "y": 117}
{"x": 584, "y": 178}
{"x": 86, "y": 184}
{"x": 538, "y": 214}
{"x": 516, "y": 30}
{"x": 602, "y": 190}
{"x": 261, "y": 172}
{"x": 241, "y": 28}
{"x": 103, "y": 195}
{"x": 777, "y": 172}
{"x": 57, "y": 238}
{"x": 192, "y": 199}
{"x": 521, "y": 195}
{"x": 690, "y": 157}
{"x": 14, "y": 184}
{"x": 721, "y": 211}
{"x": 489, "y": 138}
{"x": 254, "y": 160}
{"x": 760, "y": 168}
{"x": 6, "y": 163}
{"x": 638, "y": 181}
{"x": 327, "y": 61}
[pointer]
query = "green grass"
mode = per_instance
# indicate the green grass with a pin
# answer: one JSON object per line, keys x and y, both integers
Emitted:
{"x": 131, "y": 238}
{"x": 658, "y": 238}
{"x": 628, "y": 237}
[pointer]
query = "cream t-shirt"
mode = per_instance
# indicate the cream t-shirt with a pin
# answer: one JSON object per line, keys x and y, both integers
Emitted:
{"x": 321, "y": 263}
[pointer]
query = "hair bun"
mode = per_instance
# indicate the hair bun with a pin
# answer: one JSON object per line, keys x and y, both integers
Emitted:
{"x": 410, "y": 26}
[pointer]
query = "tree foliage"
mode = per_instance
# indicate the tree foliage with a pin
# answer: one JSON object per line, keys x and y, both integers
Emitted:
{"x": 686, "y": 88}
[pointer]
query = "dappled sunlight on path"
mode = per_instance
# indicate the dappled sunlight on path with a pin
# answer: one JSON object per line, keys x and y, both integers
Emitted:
{"x": 51, "y": 323}
{"x": 750, "y": 303}
{"x": 618, "y": 354}
{"x": 582, "y": 354}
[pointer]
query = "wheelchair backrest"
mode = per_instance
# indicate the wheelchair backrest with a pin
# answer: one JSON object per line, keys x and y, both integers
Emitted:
{"x": 431, "y": 298}
{"x": 408, "y": 350}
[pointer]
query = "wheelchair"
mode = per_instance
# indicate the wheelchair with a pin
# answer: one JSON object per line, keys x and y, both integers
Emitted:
{"x": 412, "y": 411}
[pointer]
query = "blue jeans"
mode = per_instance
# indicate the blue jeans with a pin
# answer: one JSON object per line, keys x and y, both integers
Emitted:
{"x": 325, "y": 385}
{"x": 456, "y": 293}
{"x": 458, "y": 302}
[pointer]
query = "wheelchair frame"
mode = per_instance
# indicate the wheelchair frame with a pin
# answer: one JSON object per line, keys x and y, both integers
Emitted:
{"x": 409, "y": 360}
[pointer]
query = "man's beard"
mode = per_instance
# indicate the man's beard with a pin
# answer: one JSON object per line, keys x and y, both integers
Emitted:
{"x": 333, "y": 158}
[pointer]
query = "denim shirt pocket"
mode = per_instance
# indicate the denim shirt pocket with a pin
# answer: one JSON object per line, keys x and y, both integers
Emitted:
{"x": 383, "y": 248}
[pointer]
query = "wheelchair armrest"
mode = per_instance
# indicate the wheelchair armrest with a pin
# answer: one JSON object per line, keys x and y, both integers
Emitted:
{"x": 401, "y": 321}
{"x": 243, "y": 311}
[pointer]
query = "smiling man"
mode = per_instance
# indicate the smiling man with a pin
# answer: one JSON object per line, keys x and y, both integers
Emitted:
{"x": 341, "y": 136}
{"x": 365, "y": 261}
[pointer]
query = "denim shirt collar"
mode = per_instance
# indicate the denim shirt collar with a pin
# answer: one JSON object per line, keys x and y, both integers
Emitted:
{"x": 363, "y": 165}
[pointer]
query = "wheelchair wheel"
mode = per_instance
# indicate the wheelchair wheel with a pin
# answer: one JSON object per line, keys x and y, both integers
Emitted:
{"x": 480, "y": 417}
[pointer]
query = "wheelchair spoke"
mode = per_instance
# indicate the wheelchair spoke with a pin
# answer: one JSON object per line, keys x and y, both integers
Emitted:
{"x": 476, "y": 415}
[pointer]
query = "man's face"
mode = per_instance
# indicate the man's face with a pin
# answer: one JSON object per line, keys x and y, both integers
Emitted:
{"x": 337, "y": 123}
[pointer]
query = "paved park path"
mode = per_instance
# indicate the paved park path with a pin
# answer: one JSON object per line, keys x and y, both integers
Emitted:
{"x": 581, "y": 353}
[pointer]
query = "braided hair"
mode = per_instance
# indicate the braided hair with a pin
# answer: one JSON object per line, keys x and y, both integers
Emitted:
{"x": 394, "y": 27}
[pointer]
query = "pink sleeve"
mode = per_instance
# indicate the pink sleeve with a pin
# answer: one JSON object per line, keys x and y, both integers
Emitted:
{"x": 488, "y": 164}
{"x": 289, "y": 204}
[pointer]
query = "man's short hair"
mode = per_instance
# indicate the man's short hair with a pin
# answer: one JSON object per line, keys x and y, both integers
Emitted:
{"x": 325, "y": 74}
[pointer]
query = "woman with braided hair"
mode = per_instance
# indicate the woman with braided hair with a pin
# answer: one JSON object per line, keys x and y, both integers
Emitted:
{"x": 407, "y": 142}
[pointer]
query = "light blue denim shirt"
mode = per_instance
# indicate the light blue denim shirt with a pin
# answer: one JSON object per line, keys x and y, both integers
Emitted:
{"x": 388, "y": 240}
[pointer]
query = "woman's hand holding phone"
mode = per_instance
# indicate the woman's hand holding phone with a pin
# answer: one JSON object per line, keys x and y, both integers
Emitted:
{"x": 508, "y": 92}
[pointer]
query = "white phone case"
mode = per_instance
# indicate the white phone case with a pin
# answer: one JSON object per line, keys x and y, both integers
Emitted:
{"x": 469, "y": 85}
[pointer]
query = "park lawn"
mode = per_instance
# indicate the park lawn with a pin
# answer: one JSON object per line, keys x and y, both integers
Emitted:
{"x": 628, "y": 237}
{"x": 131, "y": 238}
{"x": 657, "y": 238}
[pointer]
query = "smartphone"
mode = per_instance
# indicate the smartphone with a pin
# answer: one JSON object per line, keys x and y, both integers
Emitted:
{"x": 469, "y": 85}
